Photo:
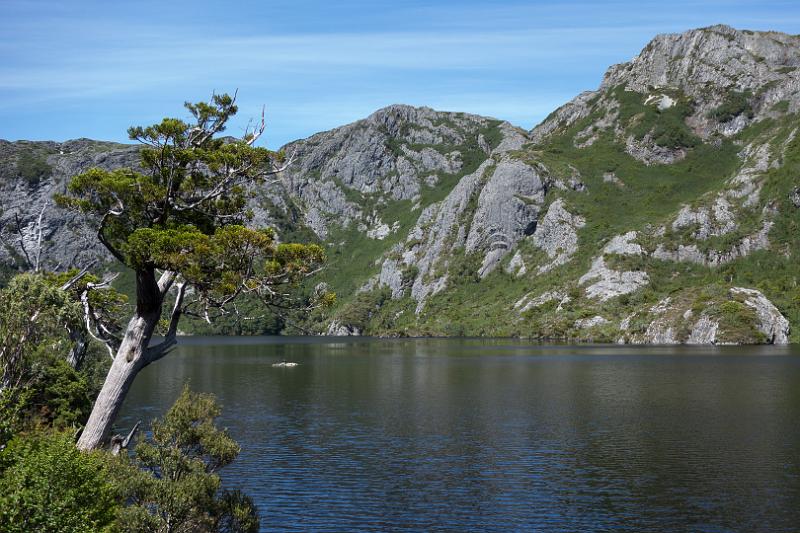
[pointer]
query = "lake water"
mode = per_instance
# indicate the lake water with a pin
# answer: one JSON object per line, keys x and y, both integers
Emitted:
{"x": 499, "y": 435}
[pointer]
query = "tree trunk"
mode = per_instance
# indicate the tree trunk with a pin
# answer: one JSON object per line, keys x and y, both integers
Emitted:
{"x": 131, "y": 357}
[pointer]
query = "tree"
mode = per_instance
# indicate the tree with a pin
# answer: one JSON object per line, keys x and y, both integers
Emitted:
{"x": 33, "y": 312}
{"x": 171, "y": 484}
{"x": 48, "y": 372}
{"x": 179, "y": 223}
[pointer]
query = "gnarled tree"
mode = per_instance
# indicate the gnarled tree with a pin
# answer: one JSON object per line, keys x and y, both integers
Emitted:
{"x": 179, "y": 223}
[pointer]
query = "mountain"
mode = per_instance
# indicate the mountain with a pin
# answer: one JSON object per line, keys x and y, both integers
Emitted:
{"x": 662, "y": 207}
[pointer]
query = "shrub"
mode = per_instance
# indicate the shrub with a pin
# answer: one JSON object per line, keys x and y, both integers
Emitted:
{"x": 46, "y": 484}
{"x": 32, "y": 167}
{"x": 171, "y": 482}
{"x": 735, "y": 104}
{"x": 738, "y": 323}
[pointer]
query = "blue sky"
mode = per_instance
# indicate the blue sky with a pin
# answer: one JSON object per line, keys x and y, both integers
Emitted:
{"x": 92, "y": 68}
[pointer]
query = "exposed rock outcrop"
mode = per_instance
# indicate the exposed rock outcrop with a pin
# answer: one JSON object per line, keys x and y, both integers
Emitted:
{"x": 528, "y": 301}
{"x": 557, "y": 235}
{"x": 771, "y": 322}
{"x": 507, "y": 210}
{"x": 608, "y": 283}
{"x": 741, "y": 315}
{"x": 67, "y": 239}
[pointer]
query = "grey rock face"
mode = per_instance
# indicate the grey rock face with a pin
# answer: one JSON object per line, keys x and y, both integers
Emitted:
{"x": 763, "y": 63}
{"x": 439, "y": 227}
{"x": 718, "y": 55}
{"x": 391, "y": 276}
{"x": 507, "y": 210}
{"x": 691, "y": 253}
{"x": 529, "y": 301}
{"x": 794, "y": 196}
{"x": 375, "y": 157}
{"x": 770, "y": 320}
{"x": 624, "y": 245}
{"x": 336, "y": 329}
{"x": 608, "y": 283}
{"x": 517, "y": 265}
{"x": 67, "y": 239}
{"x": 704, "y": 331}
{"x": 569, "y": 113}
{"x": 487, "y": 212}
{"x": 649, "y": 153}
{"x": 557, "y": 235}
{"x": 711, "y": 222}
{"x": 586, "y": 323}
{"x": 671, "y": 322}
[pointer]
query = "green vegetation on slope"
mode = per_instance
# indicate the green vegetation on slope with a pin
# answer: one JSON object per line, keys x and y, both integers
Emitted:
{"x": 352, "y": 255}
{"x": 645, "y": 198}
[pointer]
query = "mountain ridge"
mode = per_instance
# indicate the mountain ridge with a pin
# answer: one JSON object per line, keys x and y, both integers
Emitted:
{"x": 656, "y": 208}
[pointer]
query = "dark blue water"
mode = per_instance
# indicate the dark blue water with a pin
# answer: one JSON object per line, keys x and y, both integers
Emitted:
{"x": 467, "y": 435}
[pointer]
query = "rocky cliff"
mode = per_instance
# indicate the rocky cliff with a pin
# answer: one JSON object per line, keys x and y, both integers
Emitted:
{"x": 661, "y": 208}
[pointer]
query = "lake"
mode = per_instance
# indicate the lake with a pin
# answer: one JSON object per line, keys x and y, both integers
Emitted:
{"x": 498, "y": 435}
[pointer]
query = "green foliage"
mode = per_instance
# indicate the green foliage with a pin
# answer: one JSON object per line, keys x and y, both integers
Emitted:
{"x": 735, "y": 104}
{"x": 359, "y": 311}
{"x": 55, "y": 395}
{"x": 33, "y": 167}
{"x": 42, "y": 390}
{"x": 34, "y": 313}
{"x": 171, "y": 482}
{"x": 667, "y": 127}
{"x": 185, "y": 213}
{"x": 737, "y": 322}
{"x": 46, "y": 484}
{"x": 781, "y": 107}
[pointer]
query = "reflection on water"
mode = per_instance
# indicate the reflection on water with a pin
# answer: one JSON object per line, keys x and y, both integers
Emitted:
{"x": 472, "y": 434}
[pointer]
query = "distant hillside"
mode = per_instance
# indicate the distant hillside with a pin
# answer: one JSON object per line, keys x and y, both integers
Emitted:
{"x": 664, "y": 207}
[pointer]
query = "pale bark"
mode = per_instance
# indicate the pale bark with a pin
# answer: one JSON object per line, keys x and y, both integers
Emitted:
{"x": 130, "y": 359}
{"x": 132, "y": 356}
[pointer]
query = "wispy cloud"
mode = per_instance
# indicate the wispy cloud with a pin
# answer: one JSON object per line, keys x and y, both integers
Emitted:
{"x": 91, "y": 68}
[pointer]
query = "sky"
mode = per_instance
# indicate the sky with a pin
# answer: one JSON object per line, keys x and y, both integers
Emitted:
{"x": 76, "y": 68}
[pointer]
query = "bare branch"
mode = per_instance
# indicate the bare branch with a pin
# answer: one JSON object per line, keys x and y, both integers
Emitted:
{"x": 93, "y": 328}
{"x": 118, "y": 443}
{"x": 154, "y": 353}
{"x": 39, "y": 231}
{"x": 22, "y": 247}
{"x": 165, "y": 281}
{"x": 258, "y": 131}
{"x": 77, "y": 277}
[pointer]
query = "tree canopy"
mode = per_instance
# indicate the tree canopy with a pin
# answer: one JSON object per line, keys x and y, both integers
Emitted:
{"x": 185, "y": 210}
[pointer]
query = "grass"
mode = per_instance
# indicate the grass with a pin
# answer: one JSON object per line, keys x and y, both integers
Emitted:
{"x": 33, "y": 167}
